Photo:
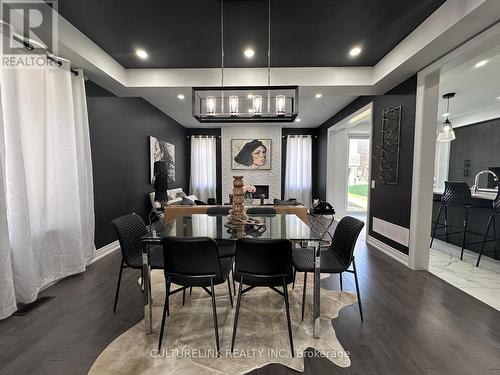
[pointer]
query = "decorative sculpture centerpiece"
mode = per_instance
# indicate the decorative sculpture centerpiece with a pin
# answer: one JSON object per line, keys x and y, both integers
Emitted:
{"x": 238, "y": 214}
{"x": 238, "y": 219}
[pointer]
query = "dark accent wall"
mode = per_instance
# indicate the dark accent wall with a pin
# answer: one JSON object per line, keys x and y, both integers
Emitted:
{"x": 479, "y": 144}
{"x": 94, "y": 90}
{"x": 300, "y": 131}
{"x": 216, "y": 132}
{"x": 119, "y": 138}
{"x": 388, "y": 202}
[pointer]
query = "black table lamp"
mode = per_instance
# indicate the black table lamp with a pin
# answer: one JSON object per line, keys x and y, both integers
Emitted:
{"x": 161, "y": 181}
{"x": 159, "y": 167}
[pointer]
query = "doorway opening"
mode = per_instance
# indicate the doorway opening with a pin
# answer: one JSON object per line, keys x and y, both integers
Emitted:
{"x": 358, "y": 173}
{"x": 349, "y": 164}
{"x": 465, "y": 164}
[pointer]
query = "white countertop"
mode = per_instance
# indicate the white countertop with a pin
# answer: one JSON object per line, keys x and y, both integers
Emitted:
{"x": 481, "y": 194}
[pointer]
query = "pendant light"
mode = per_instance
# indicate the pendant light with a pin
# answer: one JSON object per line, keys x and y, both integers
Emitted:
{"x": 210, "y": 103}
{"x": 447, "y": 134}
{"x": 233, "y": 105}
{"x": 257, "y": 104}
{"x": 245, "y": 103}
{"x": 280, "y": 104}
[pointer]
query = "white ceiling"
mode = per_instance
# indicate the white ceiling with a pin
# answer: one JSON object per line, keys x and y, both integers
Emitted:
{"x": 477, "y": 89}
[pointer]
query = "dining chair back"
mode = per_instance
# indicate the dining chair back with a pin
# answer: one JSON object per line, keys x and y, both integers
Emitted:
{"x": 264, "y": 211}
{"x": 191, "y": 257}
{"x": 335, "y": 259}
{"x": 218, "y": 210}
{"x": 456, "y": 193}
{"x": 344, "y": 240}
{"x": 495, "y": 210}
{"x": 263, "y": 263}
{"x": 194, "y": 262}
{"x": 129, "y": 230}
{"x": 496, "y": 202}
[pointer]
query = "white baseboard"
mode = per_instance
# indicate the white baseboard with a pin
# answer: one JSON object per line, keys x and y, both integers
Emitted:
{"x": 388, "y": 250}
{"x": 105, "y": 250}
{"x": 99, "y": 254}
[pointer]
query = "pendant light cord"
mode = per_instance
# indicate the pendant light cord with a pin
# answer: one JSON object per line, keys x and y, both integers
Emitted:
{"x": 269, "y": 44}
{"x": 222, "y": 40}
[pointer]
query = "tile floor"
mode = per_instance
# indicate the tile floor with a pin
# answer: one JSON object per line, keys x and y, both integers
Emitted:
{"x": 481, "y": 282}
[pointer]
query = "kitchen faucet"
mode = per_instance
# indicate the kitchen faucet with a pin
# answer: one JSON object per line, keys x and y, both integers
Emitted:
{"x": 476, "y": 179}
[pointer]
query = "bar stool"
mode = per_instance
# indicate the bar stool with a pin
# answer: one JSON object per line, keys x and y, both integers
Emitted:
{"x": 491, "y": 222}
{"x": 456, "y": 194}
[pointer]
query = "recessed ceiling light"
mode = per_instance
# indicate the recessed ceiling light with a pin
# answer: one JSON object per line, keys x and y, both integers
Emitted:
{"x": 250, "y": 96}
{"x": 355, "y": 51}
{"x": 446, "y": 114}
{"x": 318, "y": 95}
{"x": 249, "y": 53}
{"x": 181, "y": 96}
{"x": 298, "y": 119}
{"x": 481, "y": 63}
{"x": 498, "y": 98}
{"x": 141, "y": 53}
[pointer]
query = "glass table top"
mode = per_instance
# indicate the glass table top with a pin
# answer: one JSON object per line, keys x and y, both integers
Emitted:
{"x": 202, "y": 225}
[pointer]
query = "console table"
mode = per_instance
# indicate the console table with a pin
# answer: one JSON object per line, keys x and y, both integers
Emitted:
{"x": 174, "y": 211}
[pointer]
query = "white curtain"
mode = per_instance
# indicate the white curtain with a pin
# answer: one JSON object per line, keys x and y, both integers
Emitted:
{"x": 298, "y": 176}
{"x": 203, "y": 167}
{"x": 46, "y": 191}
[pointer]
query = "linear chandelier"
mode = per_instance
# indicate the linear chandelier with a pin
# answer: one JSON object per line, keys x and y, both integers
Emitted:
{"x": 246, "y": 103}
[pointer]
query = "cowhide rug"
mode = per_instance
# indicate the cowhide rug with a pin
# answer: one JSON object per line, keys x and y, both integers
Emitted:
{"x": 262, "y": 337}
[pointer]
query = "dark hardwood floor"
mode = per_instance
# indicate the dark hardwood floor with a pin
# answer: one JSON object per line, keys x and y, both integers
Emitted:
{"x": 414, "y": 323}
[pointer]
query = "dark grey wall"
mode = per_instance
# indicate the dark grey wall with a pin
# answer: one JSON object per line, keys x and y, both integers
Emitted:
{"x": 119, "y": 138}
{"x": 480, "y": 144}
{"x": 300, "y": 131}
{"x": 388, "y": 202}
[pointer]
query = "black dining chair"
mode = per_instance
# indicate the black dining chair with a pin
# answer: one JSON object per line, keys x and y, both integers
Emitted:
{"x": 218, "y": 210}
{"x": 263, "y": 263}
{"x": 226, "y": 247}
{"x": 261, "y": 211}
{"x": 336, "y": 258}
{"x": 287, "y": 202}
{"x": 495, "y": 210}
{"x": 129, "y": 230}
{"x": 194, "y": 262}
{"x": 456, "y": 195}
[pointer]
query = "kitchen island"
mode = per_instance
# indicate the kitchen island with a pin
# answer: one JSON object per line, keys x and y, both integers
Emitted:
{"x": 477, "y": 223}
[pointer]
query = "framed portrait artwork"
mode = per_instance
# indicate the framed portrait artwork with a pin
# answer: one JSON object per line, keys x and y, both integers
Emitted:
{"x": 164, "y": 151}
{"x": 251, "y": 154}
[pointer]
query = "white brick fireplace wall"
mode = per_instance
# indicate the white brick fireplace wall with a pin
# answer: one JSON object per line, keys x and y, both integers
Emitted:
{"x": 270, "y": 177}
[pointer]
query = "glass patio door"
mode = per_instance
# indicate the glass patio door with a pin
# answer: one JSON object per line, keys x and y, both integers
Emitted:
{"x": 358, "y": 174}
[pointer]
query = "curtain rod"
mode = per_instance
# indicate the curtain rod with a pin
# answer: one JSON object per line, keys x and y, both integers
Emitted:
{"x": 29, "y": 47}
{"x": 203, "y": 136}
{"x": 59, "y": 63}
{"x": 299, "y": 136}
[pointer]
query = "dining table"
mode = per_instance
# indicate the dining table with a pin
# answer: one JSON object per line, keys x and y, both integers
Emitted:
{"x": 279, "y": 226}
